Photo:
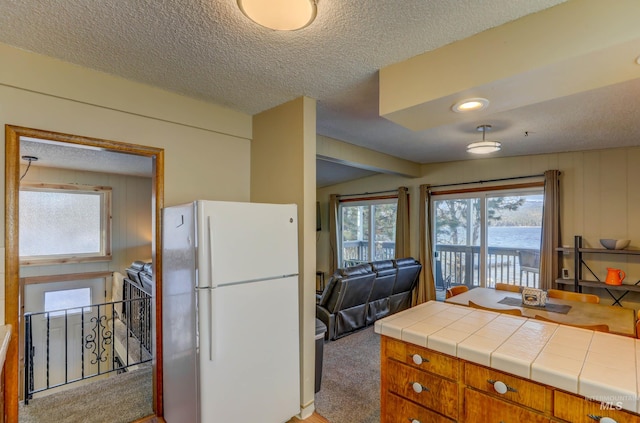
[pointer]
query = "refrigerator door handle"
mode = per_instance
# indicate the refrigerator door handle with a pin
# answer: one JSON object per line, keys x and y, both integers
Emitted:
{"x": 211, "y": 323}
{"x": 210, "y": 252}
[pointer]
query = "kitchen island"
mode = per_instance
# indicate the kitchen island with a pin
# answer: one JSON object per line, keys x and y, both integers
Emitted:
{"x": 444, "y": 362}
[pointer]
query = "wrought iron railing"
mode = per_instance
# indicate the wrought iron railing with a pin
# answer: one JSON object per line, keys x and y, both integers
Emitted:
{"x": 70, "y": 345}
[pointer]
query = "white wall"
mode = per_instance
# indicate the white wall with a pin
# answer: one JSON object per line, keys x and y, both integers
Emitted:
{"x": 599, "y": 199}
{"x": 207, "y": 147}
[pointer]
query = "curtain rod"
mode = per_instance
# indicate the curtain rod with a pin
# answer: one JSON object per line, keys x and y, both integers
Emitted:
{"x": 488, "y": 180}
{"x": 368, "y": 193}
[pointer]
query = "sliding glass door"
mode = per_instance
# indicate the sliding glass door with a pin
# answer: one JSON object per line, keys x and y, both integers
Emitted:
{"x": 481, "y": 238}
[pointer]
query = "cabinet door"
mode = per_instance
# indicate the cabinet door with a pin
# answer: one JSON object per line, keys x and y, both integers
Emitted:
{"x": 479, "y": 407}
{"x": 579, "y": 410}
{"x": 518, "y": 390}
{"x": 421, "y": 358}
{"x": 428, "y": 390}
{"x": 399, "y": 410}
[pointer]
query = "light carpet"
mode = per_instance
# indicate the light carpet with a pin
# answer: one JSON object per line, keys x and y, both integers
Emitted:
{"x": 350, "y": 389}
{"x": 118, "y": 399}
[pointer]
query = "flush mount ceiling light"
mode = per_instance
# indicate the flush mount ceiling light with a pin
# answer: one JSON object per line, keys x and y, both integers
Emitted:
{"x": 281, "y": 15}
{"x": 470, "y": 105}
{"x": 484, "y": 147}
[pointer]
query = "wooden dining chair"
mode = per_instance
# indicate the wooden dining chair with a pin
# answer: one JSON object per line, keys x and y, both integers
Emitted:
{"x": 512, "y": 311}
{"x": 598, "y": 328}
{"x": 573, "y": 296}
{"x": 508, "y": 287}
{"x": 455, "y": 290}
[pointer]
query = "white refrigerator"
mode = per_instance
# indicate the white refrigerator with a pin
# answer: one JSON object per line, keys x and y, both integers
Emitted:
{"x": 230, "y": 313}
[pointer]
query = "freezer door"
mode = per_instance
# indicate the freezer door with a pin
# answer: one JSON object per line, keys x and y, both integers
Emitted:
{"x": 249, "y": 352}
{"x": 240, "y": 242}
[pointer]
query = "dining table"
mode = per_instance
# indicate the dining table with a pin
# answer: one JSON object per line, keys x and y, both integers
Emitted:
{"x": 621, "y": 320}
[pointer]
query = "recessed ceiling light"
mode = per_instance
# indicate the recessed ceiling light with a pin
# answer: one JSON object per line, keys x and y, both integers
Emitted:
{"x": 470, "y": 105}
{"x": 638, "y": 60}
{"x": 281, "y": 15}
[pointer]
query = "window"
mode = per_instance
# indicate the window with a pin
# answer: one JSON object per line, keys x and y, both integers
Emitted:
{"x": 64, "y": 223}
{"x": 367, "y": 230}
{"x": 67, "y": 299}
{"x": 481, "y": 238}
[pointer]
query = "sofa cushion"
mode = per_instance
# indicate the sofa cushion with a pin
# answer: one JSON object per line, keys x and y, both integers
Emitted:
{"x": 407, "y": 278}
{"x": 382, "y": 288}
{"x": 408, "y": 271}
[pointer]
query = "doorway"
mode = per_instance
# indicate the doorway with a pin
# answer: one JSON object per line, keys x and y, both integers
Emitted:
{"x": 13, "y": 300}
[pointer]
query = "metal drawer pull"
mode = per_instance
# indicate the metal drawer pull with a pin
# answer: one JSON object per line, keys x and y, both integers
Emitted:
{"x": 418, "y": 359}
{"x": 418, "y": 387}
{"x": 601, "y": 419}
{"x": 501, "y": 387}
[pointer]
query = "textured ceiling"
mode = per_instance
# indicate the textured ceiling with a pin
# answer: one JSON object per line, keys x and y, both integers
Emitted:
{"x": 207, "y": 49}
{"x": 64, "y": 156}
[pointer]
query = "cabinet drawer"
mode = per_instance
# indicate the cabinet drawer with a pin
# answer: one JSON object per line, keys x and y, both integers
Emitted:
{"x": 431, "y": 391}
{"x": 520, "y": 391}
{"x": 399, "y": 410}
{"x": 479, "y": 407}
{"x": 421, "y": 358}
{"x": 577, "y": 410}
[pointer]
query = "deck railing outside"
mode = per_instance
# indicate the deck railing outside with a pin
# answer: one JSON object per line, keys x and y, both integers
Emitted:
{"x": 356, "y": 252}
{"x": 460, "y": 263}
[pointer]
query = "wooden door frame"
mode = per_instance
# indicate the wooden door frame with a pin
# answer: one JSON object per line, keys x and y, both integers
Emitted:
{"x": 12, "y": 260}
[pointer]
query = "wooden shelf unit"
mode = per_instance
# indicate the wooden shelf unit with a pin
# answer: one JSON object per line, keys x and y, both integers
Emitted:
{"x": 578, "y": 282}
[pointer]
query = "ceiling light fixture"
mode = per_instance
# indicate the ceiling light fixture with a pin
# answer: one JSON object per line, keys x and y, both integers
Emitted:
{"x": 29, "y": 159}
{"x": 281, "y": 15}
{"x": 484, "y": 147}
{"x": 470, "y": 105}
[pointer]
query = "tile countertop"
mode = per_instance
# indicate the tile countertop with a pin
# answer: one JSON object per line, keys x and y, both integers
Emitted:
{"x": 597, "y": 365}
{"x": 5, "y": 336}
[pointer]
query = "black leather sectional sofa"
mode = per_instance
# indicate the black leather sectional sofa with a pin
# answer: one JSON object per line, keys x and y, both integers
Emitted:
{"x": 141, "y": 274}
{"x": 357, "y": 296}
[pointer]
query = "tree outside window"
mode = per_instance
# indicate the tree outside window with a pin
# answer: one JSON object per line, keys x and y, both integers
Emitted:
{"x": 367, "y": 231}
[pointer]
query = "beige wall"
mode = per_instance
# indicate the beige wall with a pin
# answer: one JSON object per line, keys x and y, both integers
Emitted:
{"x": 130, "y": 223}
{"x": 207, "y": 147}
{"x": 599, "y": 199}
{"x": 283, "y": 170}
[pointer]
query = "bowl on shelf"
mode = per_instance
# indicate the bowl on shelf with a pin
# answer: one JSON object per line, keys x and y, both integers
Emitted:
{"x": 615, "y": 244}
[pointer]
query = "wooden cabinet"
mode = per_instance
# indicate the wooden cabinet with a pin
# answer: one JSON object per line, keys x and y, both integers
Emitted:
{"x": 400, "y": 410}
{"x": 419, "y": 385}
{"x": 579, "y": 410}
{"x": 422, "y": 358}
{"x": 429, "y": 390}
{"x": 479, "y": 407}
{"x": 520, "y": 391}
{"x": 417, "y": 382}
